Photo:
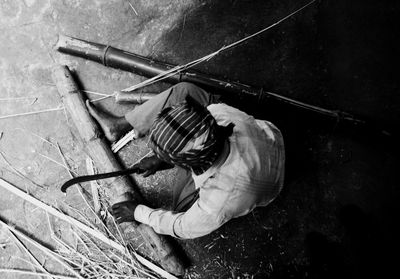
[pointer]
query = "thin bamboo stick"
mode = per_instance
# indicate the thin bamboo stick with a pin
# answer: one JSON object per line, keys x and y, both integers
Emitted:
{"x": 54, "y": 161}
{"x": 103, "y": 98}
{"x": 42, "y": 248}
{"x": 36, "y": 135}
{"x": 193, "y": 63}
{"x": 17, "y": 99}
{"x": 70, "y": 259}
{"x": 134, "y": 10}
{"x": 59, "y": 215}
{"x": 80, "y": 255}
{"x": 18, "y": 172}
{"x": 30, "y": 113}
{"x": 82, "y": 227}
{"x": 93, "y": 186}
{"x": 81, "y": 240}
{"x": 39, "y": 265}
{"x": 19, "y": 271}
{"x": 97, "y": 93}
{"x": 98, "y": 248}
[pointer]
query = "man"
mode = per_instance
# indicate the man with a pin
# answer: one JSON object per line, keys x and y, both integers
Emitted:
{"x": 229, "y": 162}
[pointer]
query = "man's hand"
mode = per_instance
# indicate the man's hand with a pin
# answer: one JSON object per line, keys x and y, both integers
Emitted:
{"x": 124, "y": 211}
{"x": 150, "y": 165}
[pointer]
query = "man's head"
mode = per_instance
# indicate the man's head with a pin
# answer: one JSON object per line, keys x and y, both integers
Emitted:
{"x": 187, "y": 135}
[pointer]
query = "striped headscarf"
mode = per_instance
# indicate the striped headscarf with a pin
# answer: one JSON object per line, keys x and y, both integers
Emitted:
{"x": 186, "y": 136}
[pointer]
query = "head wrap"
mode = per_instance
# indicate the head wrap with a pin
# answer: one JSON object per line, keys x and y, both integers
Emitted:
{"x": 187, "y": 136}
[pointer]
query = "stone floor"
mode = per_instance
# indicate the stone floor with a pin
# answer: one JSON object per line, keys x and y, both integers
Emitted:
{"x": 336, "y": 216}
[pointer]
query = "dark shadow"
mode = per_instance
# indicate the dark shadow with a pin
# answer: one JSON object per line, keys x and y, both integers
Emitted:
{"x": 336, "y": 55}
{"x": 363, "y": 251}
{"x": 326, "y": 257}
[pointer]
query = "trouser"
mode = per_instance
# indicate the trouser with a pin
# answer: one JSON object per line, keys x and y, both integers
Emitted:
{"x": 142, "y": 117}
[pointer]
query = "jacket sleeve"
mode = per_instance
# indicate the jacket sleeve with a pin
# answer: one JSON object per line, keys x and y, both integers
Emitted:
{"x": 197, "y": 221}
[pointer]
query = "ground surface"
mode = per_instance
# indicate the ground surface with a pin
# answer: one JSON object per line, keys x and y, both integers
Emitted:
{"x": 336, "y": 215}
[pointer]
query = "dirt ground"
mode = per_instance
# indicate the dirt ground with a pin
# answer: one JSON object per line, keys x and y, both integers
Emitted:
{"x": 337, "y": 213}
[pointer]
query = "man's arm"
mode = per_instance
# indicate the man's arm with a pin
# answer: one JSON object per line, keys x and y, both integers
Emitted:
{"x": 150, "y": 165}
{"x": 196, "y": 222}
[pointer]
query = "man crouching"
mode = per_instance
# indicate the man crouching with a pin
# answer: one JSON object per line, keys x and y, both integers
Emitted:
{"x": 229, "y": 162}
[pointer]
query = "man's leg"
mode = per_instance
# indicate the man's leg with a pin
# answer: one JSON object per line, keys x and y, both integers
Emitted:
{"x": 113, "y": 127}
{"x": 143, "y": 116}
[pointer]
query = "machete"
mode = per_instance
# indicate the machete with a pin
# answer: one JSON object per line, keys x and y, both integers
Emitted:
{"x": 85, "y": 178}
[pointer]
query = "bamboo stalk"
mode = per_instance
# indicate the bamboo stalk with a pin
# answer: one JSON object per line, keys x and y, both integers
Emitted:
{"x": 42, "y": 248}
{"x": 83, "y": 257}
{"x": 39, "y": 265}
{"x": 82, "y": 227}
{"x": 98, "y": 248}
{"x": 69, "y": 249}
{"x": 100, "y": 152}
{"x": 81, "y": 240}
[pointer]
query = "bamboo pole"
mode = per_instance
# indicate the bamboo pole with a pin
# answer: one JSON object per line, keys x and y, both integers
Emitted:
{"x": 102, "y": 155}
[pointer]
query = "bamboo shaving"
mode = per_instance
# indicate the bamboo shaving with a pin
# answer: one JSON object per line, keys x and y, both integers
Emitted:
{"x": 134, "y": 10}
{"x": 123, "y": 141}
{"x": 93, "y": 186}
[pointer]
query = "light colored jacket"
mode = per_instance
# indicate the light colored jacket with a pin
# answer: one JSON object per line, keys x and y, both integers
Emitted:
{"x": 251, "y": 174}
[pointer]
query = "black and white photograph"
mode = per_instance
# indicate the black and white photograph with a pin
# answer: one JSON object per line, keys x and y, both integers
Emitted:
{"x": 191, "y": 139}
